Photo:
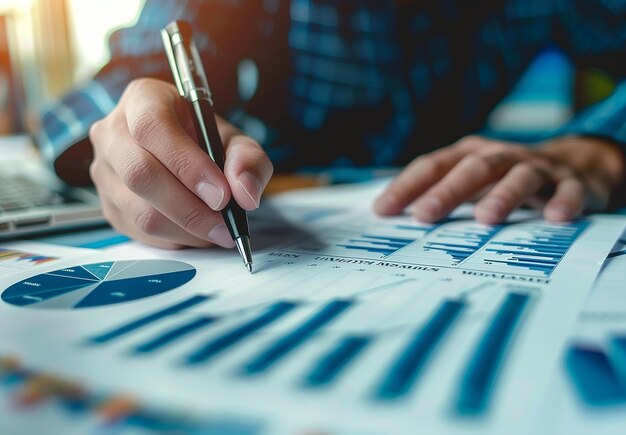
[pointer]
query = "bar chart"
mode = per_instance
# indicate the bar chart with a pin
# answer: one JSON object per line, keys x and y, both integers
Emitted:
{"x": 352, "y": 299}
{"x": 350, "y": 318}
{"x": 15, "y": 256}
{"x": 395, "y": 376}
{"x": 21, "y": 259}
{"x": 595, "y": 361}
{"x": 531, "y": 248}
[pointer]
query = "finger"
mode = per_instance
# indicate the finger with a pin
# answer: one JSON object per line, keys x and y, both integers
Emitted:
{"x": 148, "y": 225}
{"x": 522, "y": 182}
{"x": 462, "y": 183}
{"x": 136, "y": 218}
{"x": 416, "y": 178}
{"x": 567, "y": 202}
{"x": 599, "y": 193}
{"x": 145, "y": 176}
{"x": 156, "y": 115}
{"x": 247, "y": 168}
{"x": 115, "y": 218}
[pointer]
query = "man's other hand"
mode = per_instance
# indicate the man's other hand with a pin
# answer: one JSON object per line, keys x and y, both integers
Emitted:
{"x": 564, "y": 176}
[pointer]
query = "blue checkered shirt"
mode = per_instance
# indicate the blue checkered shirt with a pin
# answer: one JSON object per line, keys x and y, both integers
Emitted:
{"x": 353, "y": 82}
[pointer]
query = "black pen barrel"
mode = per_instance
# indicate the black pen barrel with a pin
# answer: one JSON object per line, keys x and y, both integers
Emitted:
{"x": 210, "y": 141}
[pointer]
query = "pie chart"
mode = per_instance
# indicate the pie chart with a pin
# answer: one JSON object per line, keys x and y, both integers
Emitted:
{"x": 99, "y": 284}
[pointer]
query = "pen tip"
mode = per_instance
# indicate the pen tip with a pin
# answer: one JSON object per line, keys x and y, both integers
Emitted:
{"x": 249, "y": 267}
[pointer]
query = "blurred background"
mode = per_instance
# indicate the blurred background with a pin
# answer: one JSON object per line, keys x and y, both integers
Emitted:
{"x": 48, "y": 46}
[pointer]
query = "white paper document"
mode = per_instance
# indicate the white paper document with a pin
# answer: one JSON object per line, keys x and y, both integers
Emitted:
{"x": 350, "y": 324}
{"x": 588, "y": 392}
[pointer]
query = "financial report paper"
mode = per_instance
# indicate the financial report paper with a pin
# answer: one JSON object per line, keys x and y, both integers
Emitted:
{"x": 350, "y": 324}
{"x": 588, "y": 392}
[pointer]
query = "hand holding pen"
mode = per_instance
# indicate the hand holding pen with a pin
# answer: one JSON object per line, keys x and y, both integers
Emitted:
{"x": 192, "y": 85}
{"x": 156, "y": 184}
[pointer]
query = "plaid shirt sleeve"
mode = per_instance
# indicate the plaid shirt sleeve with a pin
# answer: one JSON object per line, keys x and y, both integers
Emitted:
{"x": 594, "y": 34}
{"x": 136, "y": 52}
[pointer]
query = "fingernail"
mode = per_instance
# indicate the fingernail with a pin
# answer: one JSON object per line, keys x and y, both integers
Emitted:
{"x": 252, "y": 186}
{"x": 211, "y": 194}
{"x": 491, "y": 208}
{"x": 220, "y": 235}
{"x": 427, "y": 208}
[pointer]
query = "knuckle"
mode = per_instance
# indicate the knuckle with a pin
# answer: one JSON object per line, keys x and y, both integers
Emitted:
{"x": 137, "y": 173}
{"x": 498, "y": 147}
{"x": 497, "y": 160}
{"x": 147, "y": 87}
{"x": 181, "y": 164}
{"x": 146, "y": 126}
{"x": 433, "y": 168}
{"x": 476, "y": 160}
{"x": 147, "y": 220}
{"x": 192, "y": 219}
{"x": 472, "y": 141}
{"x": 537, "y": 168}
{"x": 137, "y": 86}
{"x": 526, "y": 169}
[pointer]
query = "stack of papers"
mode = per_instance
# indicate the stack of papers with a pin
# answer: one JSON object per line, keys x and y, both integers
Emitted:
{"x": 351, "y": 323}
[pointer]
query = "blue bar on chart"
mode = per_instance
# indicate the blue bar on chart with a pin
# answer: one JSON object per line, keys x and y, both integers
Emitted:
{"x": 149, "y": 319}
{"x": 225, "y": 341}
{"x": 174, "y": 334}
{"x": 286, "y": 344}
{"x": 420, "y": 228}
{"x": 405, "y": 370}
{"x": 97, "y": 238}
{"x": 540, "y": 250}
{"x": 617, "y": 353}
{"x": 459, "y": 245}
{"x": 484, "y": 365}
{"x": 377, "y": 244}
{"x": 331, "y": 364}
{"x": 593, "y": 377}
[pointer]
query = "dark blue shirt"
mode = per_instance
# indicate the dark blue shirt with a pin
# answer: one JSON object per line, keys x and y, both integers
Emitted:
{"x": 354, "y": 82}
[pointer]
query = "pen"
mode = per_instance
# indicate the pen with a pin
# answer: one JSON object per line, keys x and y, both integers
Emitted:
{"x": 192, "y": 85}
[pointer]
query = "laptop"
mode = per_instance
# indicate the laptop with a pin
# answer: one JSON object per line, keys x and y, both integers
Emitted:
{"x": 35, "y": 201}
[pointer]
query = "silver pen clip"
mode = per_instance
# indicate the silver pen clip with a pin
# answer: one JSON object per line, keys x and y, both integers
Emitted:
{"x": 184, "y": 60}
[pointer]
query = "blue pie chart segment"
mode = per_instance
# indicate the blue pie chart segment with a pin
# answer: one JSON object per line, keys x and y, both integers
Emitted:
{"x": 99, "y": 284}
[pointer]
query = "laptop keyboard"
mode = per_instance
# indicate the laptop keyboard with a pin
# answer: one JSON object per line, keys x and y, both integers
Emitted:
{"x": 21, "y": 193}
